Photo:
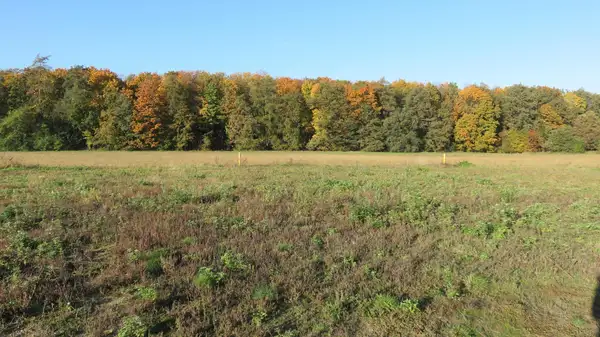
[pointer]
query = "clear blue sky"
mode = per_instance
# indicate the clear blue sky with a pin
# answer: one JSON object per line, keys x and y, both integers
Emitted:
{"x": 545, "y": 42}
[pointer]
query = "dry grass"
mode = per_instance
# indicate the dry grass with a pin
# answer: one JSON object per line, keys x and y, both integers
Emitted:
{"x": 298, "y": 250}
{"x": 152, "y": 159}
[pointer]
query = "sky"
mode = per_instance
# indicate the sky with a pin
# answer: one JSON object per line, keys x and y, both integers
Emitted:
{"x": 500, "y": 43}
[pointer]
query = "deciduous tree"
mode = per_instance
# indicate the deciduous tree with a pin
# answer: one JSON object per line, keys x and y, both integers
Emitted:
{"x": 149, "y": 112}
{"x": 476, "y": 118}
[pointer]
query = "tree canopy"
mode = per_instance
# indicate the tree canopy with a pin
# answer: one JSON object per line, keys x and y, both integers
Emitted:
{"x": 88, "y": 108}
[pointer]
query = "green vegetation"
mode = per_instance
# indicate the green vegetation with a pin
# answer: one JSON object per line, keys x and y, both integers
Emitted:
{"x": 80, "y": 108}
{"x": 299, "y": 250}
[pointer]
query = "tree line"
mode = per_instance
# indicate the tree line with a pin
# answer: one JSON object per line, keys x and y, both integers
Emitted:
{"x": 88, "y": 108}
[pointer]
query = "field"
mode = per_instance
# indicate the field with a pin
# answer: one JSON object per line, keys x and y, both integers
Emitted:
{"x": 228, "y": 158}
{"x": 298, "y": 244}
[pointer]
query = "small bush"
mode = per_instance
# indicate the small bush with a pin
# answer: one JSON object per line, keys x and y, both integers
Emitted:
{"x": 370, "y": 215}
{"x": 154, "y": 267}
{"x": 50, "y": 249}
{"x": 146, "y": 293}
{"x": 564, "y": 139}
{"x": 384, "y": 304}
{"x": 409, "y": 306}
{"x": 258, "y": 317}
{"x": 212, "y": 194}
{"x": 180, "y": 197}
{"x": 362, "y": 213}
{"x": 207, "y": 278}
{"x": 508, "y": 194}
{"x": 317, "y": 241}
{"x": 153, "y": 261}
{"x": 417, "y": 209}
{"x": 464, "y": 163}
{"x": 234, "y": 262}
{"x": 132, "y": 327}
{"x": 9, "y": 213}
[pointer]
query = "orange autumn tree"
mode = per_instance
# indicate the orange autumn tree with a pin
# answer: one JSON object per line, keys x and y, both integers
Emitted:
{"x": 286, "y": 85}
{"x": 102, "y": 82}
{"x": 476, "y": 118}
{"x": 365, "y": 112}
{"x": 149, "y": 110}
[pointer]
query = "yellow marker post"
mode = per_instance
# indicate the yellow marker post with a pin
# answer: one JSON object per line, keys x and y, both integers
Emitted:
{"x": 444, "y": 159}
{"x": 240, "y": 158}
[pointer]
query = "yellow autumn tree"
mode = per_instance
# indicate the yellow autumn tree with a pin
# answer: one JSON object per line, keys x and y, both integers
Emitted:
{"x": 550, "y": 117}
{"x": 575, "y": 102}
{"x": 476, "y": 118}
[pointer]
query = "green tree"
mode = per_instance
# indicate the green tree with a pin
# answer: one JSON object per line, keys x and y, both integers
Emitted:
{"x": 295, "y": 119}
{"x": 587, "y": 127}
{"x": 17, "y": 130}
{"x": 592, "y": 100}
{"x": 440, "y": 134}
{"x": 519, "y": 108}
{"x": 242, "y": 127}
{"x": 3, "y": 97}
{"x": 564, "y": 139}
{"x": 76, "y": 106}
{"x": 16, "y": 89}
{"x": 334, "y": 129}
{"x": 212, "y": 118}
{"x": 406, "y": 128}
{"x": 183, "y": 123}
{"x": 264, "y": 103}
{"x": 114, "y": 131}
{"x": 367, "y": 112}
{"x": 32, "y": 119}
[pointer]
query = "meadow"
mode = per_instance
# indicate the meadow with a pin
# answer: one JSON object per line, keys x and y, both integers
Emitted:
{"x": 298, "y": 244}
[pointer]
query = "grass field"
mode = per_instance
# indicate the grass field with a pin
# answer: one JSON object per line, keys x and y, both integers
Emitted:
{"x": 181, "y": 244}
{"x": 228, "y": 158}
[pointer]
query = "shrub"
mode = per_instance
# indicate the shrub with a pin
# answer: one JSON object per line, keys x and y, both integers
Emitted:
{"x": 154, "y": 267}
{"x": 368, "y": 214}
{"x": 464, "y": 163}
{"x": 361, "y": 213}
{"x": 564, "y": 140}
{"x": 417, "y": 209}
{"x": 154, "y": 261}
{"x": 9, "y": 213}
{"x": 384, "y": 304}
{"x": 132, "y": 327}
{"x": 146, "y": 293}
{"x": 587, "y": 127}
{"x": 234, "y": 261}
{"x": 317, "y": 241}
{"x": 409, "y": 306}
{"x": 207, "y": 278}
